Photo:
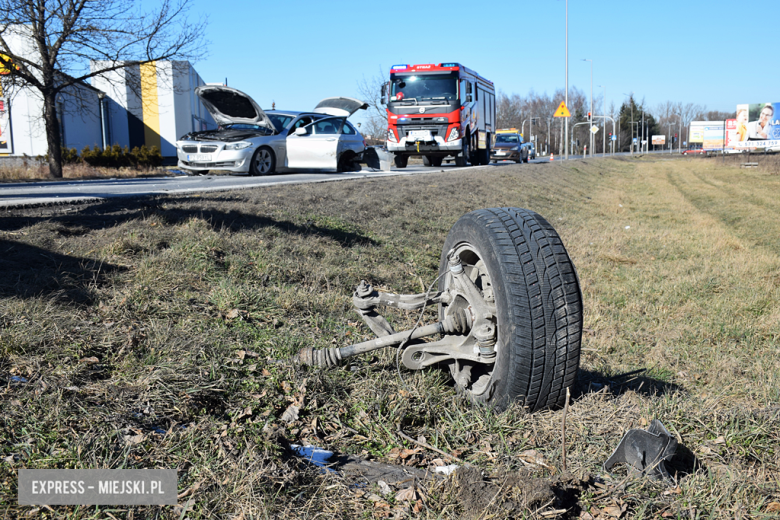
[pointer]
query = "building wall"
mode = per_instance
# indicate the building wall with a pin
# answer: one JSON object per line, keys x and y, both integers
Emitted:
{"x": 77, "y": 108}
{"x": 153, "y": 104}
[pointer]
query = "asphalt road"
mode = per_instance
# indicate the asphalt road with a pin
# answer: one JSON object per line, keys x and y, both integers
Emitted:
{"x": 63, "y": 192}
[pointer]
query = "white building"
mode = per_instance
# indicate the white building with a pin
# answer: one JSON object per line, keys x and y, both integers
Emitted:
{"x": 152, "y": 104}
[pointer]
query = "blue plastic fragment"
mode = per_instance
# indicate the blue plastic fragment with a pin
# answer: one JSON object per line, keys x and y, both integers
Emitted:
{"x": 315, "y": 455}
{"x": 18, "y": 379}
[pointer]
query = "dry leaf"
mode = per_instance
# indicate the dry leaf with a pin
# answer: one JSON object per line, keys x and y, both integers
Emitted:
{"x": 290, "y": 414}
{"x": 383, "y": 487}
{"x": 89, "y": 360}
{"x": 241, "y": 354}
{"x": 266, "y": 373}
{"x": 614, "y": 511}
{"x": 233, "y": 314}
{"x": 720, "y": 440}
{"x": 533, "y": 457}
{"x": 406, "y": 494}
{"x": 405, "y": 454}
{"x": 134, "y": 439}
{"x": 773, "y": 507}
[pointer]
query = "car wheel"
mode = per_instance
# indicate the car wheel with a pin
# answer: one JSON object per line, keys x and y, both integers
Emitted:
{"x": 520, "y": 266}
{"x": 347, "y": 163}
{"x": 465, "y": 153}
{"x": 401, "y": 161}
{"x": 263, "y": 162}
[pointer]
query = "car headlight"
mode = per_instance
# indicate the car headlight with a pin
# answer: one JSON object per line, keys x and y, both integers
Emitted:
{"x": 238, "y": 146}
{"x": 454, "y": 134}
{"x": 391, "y": 136}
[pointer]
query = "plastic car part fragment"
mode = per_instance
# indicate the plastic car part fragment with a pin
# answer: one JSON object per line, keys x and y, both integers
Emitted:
{"x": 646, "y": 451}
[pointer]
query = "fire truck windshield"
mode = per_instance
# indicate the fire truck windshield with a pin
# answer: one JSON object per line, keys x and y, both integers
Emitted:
{"x": 424, "y": 87}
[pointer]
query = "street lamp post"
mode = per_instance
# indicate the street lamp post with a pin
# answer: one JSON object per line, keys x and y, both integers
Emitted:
{"x": 566, "y": 122}
{"x": 591, "y": 103}
{"x": 604, "y": 132}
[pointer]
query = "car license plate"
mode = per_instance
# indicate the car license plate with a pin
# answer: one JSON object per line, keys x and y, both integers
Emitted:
{"x": 500, "y": 152}
{"x": 419, "y": 135}
{"x": 199, "y": 157}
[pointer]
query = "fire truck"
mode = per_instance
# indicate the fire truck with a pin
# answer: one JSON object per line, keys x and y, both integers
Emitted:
{"x": 439, "y": 110}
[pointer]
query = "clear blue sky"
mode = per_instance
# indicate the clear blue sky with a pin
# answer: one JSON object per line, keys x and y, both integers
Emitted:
{"x": 297, "y": 52}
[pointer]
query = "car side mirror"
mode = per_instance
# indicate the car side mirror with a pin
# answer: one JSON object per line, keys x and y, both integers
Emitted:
{"x": 383, "y": 94}
{"x": 301, "y": 131}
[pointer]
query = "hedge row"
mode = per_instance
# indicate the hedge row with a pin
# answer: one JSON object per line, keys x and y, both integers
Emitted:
{"x": 114, "y": 157}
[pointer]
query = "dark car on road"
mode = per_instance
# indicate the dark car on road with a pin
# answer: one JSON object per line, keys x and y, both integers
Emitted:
{"x": 508, "y": 147}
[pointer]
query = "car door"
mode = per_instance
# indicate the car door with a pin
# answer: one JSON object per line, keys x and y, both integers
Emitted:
{"x": 314, "y": 145}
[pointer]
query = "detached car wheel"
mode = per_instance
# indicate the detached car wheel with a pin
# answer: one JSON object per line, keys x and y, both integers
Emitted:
{"x": 518, "y": 262}
{"x": 263, "y": 162}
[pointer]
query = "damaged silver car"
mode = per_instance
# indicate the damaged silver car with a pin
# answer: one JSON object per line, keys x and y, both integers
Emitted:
{"x": 251, "y": 141}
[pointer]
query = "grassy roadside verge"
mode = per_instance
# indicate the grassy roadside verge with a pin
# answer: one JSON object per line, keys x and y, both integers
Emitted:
{"x": 140, "y": 334}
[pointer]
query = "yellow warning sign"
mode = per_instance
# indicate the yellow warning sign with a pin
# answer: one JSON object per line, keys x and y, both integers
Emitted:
{"x": 562, "y": 111}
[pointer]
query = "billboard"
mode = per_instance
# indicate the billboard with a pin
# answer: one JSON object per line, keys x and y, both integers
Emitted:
{"x": 713, "y": 135}
{"x": 6, "y": 145}
{"x": 659, "y": 140}
{"x": 757, "y": 126}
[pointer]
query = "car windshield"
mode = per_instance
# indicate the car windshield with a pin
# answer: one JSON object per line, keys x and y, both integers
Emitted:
{"x": 507, "y": 139}
{"x": 425, "y": 86}
{"x": 280, "y": 121}
{"x": 244, "y": 126}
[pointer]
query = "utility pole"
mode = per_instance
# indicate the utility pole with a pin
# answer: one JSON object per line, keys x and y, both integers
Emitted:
{"x": 604, "y": 111}
{"x": 566, "y": 122}
{"x": 590, "y": 118}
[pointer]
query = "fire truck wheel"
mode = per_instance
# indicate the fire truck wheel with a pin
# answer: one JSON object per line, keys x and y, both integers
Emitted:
{"x": 263, "y": 162}
{"x": 484, "y": 155}
{"x": 517, "y": 260}
{"x": 436, "y": 161}
{"x": 427, "y": 161}
{"x": 401, "y": 161}
{"x": 465, "y": 153}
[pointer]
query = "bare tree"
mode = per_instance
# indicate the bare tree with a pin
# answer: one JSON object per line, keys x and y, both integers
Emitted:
{"x": 53, "y": 45}
{"x": 369, "y": 90}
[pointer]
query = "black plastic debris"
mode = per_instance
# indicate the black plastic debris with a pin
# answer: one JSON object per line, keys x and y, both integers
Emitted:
{"x": 646, "y": 451}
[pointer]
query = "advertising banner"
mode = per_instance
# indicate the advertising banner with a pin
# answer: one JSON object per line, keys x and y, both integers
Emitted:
{"x": 713, "y": 136}
{"x": 757, "y": 126}
{"x": 6, "y": 145}
{"x": 659, "y": 140}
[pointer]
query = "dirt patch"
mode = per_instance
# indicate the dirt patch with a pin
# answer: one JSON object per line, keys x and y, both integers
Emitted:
{"x": 510, "y": 494}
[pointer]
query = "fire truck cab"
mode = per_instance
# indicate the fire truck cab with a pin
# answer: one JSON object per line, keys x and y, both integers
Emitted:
{"x": 439, "y": 110}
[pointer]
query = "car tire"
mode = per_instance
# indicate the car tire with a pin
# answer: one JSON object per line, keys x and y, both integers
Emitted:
{"x": 465, "y": 153}
{"x": 401, "y": 161}
{"x": 538, "y": 304}
{"x": 263, "y": 162}
{"x": 347, "y": 163}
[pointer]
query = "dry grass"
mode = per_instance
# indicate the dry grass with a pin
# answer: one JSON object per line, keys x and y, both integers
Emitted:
{"x": 144, "y": 333}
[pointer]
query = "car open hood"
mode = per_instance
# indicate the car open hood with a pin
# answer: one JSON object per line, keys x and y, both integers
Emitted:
{"x": 339, "y": 106}
{"x": 228, "y": 105}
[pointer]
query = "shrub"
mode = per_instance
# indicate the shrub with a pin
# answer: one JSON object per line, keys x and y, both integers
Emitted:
{"x": 116, "y": 157}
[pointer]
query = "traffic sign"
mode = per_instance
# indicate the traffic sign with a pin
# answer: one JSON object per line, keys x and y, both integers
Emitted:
{"x": 635, "y": 140}
{"x": 594, "y": 129}
{"x": 562, "y": 111}
{"x": 614, "y": 138}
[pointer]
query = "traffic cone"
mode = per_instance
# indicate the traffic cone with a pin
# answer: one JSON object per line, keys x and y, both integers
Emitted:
{"x": 552, "y": 157}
